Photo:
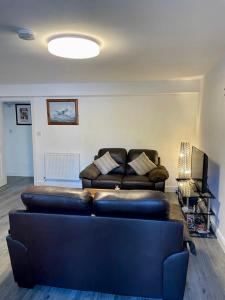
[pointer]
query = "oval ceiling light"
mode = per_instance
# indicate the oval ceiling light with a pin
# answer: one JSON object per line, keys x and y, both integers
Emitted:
{"x": 75, "y": 47}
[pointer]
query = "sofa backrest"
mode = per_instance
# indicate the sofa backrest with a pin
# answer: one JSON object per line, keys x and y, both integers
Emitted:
{"x": 134, "y": 153}
{"x": 119, "y": 155}
{"x": 135, "y": 204}
{"x": 49, "y": 199}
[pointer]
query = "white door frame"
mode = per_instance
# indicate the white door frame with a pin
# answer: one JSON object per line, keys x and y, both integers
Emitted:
{"x": 17, "y": 100}
{"x": 3, "y": 177}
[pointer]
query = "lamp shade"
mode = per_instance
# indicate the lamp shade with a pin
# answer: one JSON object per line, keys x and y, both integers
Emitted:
{"x": 184, "y": 161}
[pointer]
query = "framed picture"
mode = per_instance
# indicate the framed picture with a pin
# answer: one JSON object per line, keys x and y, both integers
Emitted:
{"x": 62, "y": 111}
{"x": 23, "y": 114}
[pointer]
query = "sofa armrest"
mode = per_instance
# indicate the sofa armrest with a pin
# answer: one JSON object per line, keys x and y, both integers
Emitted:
{"x": 189, "y": 241}
{"x": 160, "y": 186}
{"x": 176, "y": 214}
{"x": 159, "y": 161}
{"x": 90, "y": 172}
{"x": 158, "y": 174}
{"x": 174, "y": 275}
{"x": 19, "y": 257}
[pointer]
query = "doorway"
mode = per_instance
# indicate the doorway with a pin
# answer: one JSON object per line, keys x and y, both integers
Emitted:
{"x": 18, "y": 145}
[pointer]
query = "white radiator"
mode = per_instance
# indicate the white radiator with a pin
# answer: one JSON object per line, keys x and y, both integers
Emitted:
{"x": 62, "y": 166}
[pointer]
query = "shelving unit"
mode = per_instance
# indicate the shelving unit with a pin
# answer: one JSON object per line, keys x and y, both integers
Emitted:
{"x": 196, "y": 207}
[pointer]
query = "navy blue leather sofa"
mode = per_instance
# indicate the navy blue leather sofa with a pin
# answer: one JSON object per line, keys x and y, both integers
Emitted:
{"x": 120, "y": 242}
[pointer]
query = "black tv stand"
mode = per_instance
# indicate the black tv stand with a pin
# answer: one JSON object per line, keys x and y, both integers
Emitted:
{"x": 196, "y": 207}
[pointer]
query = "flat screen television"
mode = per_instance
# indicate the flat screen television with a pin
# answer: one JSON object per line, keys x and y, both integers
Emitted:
{"x": 199, "y": 169}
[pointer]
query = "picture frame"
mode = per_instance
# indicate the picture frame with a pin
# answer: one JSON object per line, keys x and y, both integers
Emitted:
{"x": 62, "y": 111}
{"x": 23, "y": 114}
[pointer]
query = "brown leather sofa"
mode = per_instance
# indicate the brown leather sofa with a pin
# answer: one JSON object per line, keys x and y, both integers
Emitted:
{"x": 119, "y": 242}
{"x": 124, "y": 176}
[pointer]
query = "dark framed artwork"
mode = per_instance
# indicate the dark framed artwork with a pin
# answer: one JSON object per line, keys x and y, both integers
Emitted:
{"x": 23, "y": 114}
{"x": 62, "y": 111}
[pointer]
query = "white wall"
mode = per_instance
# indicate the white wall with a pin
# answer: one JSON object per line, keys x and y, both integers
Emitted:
{"x": 156, "y": 115}
{"x": 18, "y": 145}
{"x": 100, "y": 89}
{"x": 212, "y": 139}
{"x": 3, "y": 179}
{"x": 158, "y": 122}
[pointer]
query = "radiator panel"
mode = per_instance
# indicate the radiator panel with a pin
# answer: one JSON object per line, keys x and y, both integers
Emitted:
{"x": 62, "y": 166}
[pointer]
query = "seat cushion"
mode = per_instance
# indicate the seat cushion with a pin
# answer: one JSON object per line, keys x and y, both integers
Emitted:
{"x": 134, "y": 153}
{"x": 119, "y": 155}
{"x": 137, "y": 182}
{"x": 131, "y": 204}
{"x": 49, "y": 199}
{"x": 107, "y": 181}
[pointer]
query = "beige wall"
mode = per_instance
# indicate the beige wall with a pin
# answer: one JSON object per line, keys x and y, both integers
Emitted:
{"x": 212, "y": 140}
{"x": 153, "y": 121}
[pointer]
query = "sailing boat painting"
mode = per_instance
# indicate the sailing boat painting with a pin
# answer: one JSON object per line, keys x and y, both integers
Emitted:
{"x": 62, "y": 111}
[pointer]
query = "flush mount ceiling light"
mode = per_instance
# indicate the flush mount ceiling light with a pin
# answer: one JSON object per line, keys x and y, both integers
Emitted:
{"x": 75, "y": 47}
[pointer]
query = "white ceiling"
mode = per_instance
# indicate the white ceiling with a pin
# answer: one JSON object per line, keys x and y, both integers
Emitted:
{"x": 141, "y": 39}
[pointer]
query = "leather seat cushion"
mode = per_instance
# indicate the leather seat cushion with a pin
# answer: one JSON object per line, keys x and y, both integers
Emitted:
{"x": 137, "y": 182}
{"x": 131, "y": 204}
{"x": 57, "y": 200}
{"x": 107, "y": 181}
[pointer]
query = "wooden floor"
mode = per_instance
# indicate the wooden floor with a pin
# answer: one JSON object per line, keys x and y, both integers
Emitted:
{"x": 206, "y": 274}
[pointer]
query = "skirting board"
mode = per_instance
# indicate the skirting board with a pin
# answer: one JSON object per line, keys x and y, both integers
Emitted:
{"x": 20, "y": 174}
{"x": 72, "y": 184}
{"x": 219, "y": 235}
{"x": 170, "y": 188}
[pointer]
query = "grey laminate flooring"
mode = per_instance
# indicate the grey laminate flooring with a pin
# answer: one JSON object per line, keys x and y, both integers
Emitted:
{"x": 206, "y": 274}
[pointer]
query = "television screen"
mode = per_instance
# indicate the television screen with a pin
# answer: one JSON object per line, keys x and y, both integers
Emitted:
{"x": 199, "y": 168}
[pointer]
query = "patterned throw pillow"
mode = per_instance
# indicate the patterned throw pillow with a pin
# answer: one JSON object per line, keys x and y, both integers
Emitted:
{"x": 106, "y": 163}
{"x": 142, "y": 164}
